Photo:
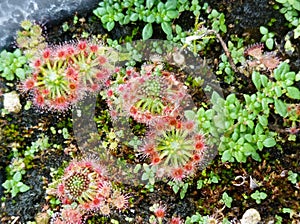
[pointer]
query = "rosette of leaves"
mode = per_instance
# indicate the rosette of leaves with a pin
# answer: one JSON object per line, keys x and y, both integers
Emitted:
{"x": 147, "y": 96}
{"x": 13, "y": 64}
{"x": 63, "y": 75}
{"x": 81, "y": 182}
{"x": 85, "y": 186}
{"x": 175, "y": 148}
{"x": 30, "y": 38}
{"x": 149, "y": 12}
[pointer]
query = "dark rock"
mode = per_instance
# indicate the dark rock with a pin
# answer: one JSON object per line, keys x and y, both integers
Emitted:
{"x": 246, "y": 16}
{"x": 46, "y": 12}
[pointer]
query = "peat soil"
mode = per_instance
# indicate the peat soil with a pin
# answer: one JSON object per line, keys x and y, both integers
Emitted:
{"x": 243, "y": 17}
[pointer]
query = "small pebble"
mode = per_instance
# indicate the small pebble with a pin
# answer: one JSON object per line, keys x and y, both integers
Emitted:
{"x": 11, "y": 102}
{"x": 251, "y": 216}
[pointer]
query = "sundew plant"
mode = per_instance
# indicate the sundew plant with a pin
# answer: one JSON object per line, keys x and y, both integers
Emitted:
{"x": 201, "y": 125}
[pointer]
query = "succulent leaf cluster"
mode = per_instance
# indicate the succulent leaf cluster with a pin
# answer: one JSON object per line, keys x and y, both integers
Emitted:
{"x": 30, "y": 38}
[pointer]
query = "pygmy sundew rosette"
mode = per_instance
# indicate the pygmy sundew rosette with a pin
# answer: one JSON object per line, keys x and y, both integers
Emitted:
{"x": 175, "y": 148}
{"x": 85, "y": 184}
{"x": 62, "y": 75}
{"x": 81, "y": 182}
{"x": 147, "y": 96}
{"x": 68, "y": 215}
{"x": 259, "y": 59}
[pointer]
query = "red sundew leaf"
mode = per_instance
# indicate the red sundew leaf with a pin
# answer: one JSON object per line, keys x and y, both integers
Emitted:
{"x": 189, "y": 125}
{"x": 28, "y": 84}
{"x": 102, "y": 60}
{"x": 120, "y": 200}
{"x": 177, "y": 174}
{"x": 60, "y": 190}
{"x": 176, "y": 220}
{"x": 172, "y": 122}
{"x": 133, "y": 110}
{"x": 160, "y": 212}
{"x": 71, "y": 73}
{"x": 178, "y": 125}
{"x": 255, "y": 50}
{"x": 199, "y": 145}
{"x": 60, "y": 103}
{"x": 73, "y": 86}
{"x": 45, "y": 92}
{"x": 199, "y": 137}
{"x": 189, "y": 167}
{"x": 39, "y": 100}
{"x": 37, "y": 63}
{"x": 271, "y": 62}
{"x": 70, "y": 51}
{"x": 61, "y": 54}
{"x": 82, "y": 45}
{"x": 197, "y": 157}
{"x": 155, "y": 160}
{"x": 101, "y": 75}
{"x": 47, "y": 54}
{"x": 148, "y": 150}
{"x": 94, "y": 48}
{"x": 97, "y": 202}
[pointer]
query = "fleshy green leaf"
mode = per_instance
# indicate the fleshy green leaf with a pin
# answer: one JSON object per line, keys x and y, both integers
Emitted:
{"x": 17, "y": 176}
{"x": 282, "y": 69}
{"x": 258, "y": 129}
{"x": 134, "y": 17}
{"x": 290, "y": 76}
{"x": 150, "y": 18}
{"x": 166, "y": 28}
{"x": 172, "y": 14}
{"x": 24, "y": 188}
{"x": 20, "y": 73}
{"x": 226, "y": 156}
{"x": 14, "y": 191}
{"x": 171, "y": 4}
{"x": 264, "y": 80}
{"x": 278, "y": 91}
{"x": 293, "y": 92}
{"x": 240, "y": 157}
{"x": 149, "y": 3}
{"x": 263, "y": 30}
{"x": 263, "y": 120}
{"x": 7, "y": 184}
{"x": 270, "y": 43}
{"x": 110, "y": 25}
{"x": 105, "y": 19}
{"x": 269, "y": 142}
{"x": 280, "y": 107}
{"x": 297, "y": 78}
{"x": 147, "y": 31}
{"x": 189, "y": 114}
{"x": 256, "y": 80}
{"x": 296, "y": 5}
{"x": 281, "y": 1}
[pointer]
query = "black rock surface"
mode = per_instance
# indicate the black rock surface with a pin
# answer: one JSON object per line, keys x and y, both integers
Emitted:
{"x": 12, "y": 12}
